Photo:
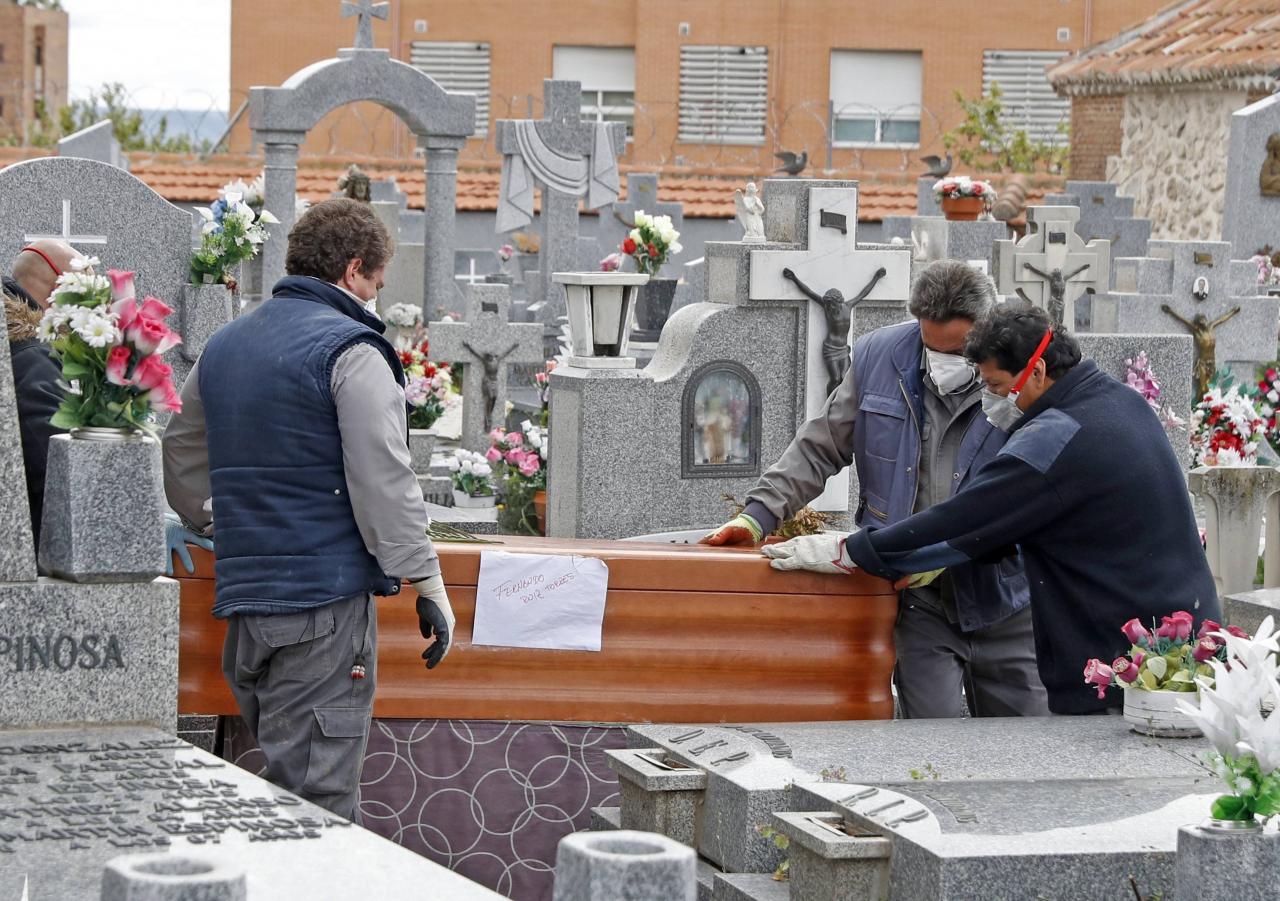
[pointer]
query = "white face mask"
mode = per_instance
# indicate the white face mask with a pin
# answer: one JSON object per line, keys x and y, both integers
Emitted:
{"x": 371, "y": 306}
{"x": 951, "y": 373}
{"x": 1001, "y": 412}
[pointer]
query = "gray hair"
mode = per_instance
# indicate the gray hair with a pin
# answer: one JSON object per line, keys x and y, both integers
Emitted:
{"x": 951, "y": 289}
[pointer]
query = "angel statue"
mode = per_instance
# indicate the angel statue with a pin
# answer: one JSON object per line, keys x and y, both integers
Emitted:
{"x": 750, "y": 214}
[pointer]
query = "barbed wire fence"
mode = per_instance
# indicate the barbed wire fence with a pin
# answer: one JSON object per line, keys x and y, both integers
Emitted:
{"x": 214, "y": 125}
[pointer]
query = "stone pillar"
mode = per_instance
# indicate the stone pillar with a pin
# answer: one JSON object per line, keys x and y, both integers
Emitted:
{"x": 1235, "y": 498}
{"x": 280, "y": 189}
{"x": 559, "y": 253}
{"x": 1213, "y": 865}
{"x": 442, "y": 192}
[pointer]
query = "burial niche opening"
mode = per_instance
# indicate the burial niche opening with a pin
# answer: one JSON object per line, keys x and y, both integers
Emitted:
{"x": 721, "y": 423}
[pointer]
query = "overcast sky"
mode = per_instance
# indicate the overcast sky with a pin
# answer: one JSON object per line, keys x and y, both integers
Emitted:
{"x": 167, "y": 53}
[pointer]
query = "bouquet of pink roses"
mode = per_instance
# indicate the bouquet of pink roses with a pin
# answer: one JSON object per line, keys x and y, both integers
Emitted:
{"x": 521, "y": 455}
{"x": 1163, "y": 658}
{"x": 110, "y": 348}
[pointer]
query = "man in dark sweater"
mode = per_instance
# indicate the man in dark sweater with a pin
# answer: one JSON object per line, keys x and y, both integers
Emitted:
{"x": 1087, "y": 486}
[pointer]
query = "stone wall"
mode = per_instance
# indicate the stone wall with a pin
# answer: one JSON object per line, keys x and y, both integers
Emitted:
{"x": 1173, "y": 160}
{"x": 1097, "y": 129}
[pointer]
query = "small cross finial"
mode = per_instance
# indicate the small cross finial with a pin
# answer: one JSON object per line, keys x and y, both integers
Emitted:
{"x": 366, "y": 10}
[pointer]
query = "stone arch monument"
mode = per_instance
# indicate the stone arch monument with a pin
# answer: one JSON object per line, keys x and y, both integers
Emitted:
{"x": 441, "y": 121}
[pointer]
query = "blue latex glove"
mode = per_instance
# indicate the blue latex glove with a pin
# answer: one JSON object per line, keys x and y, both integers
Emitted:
{"x": 176, "y": 538}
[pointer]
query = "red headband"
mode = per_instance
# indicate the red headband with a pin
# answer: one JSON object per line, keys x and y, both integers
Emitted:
{"x": 1031, "y": 364}
{"x": 43, "y": 256}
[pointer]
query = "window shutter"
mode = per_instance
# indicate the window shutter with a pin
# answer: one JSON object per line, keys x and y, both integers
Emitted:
{"x": 724, "y": 94}
{"x": 1030, "y": 102}
{"x": 459, "y": 66}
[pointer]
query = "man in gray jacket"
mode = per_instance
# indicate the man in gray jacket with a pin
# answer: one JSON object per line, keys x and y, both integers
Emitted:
{"x": 908, "y": 417}
{"x": 293, "y": 423}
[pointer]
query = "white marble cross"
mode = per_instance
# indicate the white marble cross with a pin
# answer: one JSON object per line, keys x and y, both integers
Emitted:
{"x": 66, "y": 234}
{"x": 831, "y": 259}
{"x": 365, "y": 9}
{"x": 486, "y": 333}
{"x": 1051, "y": 266}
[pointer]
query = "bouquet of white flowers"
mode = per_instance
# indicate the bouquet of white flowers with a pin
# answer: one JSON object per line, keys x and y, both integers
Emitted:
{"x": 651, "y": 242}
{"x": 472, "y": 473}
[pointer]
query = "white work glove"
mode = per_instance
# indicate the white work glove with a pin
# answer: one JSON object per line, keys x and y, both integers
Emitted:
{"x": 821, "y": 553}
{"x": 435, "y": 617}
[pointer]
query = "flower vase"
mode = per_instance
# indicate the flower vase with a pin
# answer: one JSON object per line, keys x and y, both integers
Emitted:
{"x": 1226, "y": 860}
{"x": 1156, "y": 713}
{"x": 653, "y": 308}
{"x": 203, "y": 310}
{"x": 473, "y": 502}
{"x": 540, "y": 509}
{"x": 422, "y": 442}
{"x": 963, "y": 209}
{"x": 103, "y": 518}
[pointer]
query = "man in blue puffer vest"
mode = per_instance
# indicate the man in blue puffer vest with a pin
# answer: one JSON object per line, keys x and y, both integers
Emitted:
{"x": 908, "y": 417}
{"x": 294, "y": 426}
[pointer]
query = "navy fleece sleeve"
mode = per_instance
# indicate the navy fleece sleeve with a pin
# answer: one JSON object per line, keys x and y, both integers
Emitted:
{"x": 1008, "y": 500}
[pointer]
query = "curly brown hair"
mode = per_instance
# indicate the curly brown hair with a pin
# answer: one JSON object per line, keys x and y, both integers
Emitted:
{"x": 333, "y": 233}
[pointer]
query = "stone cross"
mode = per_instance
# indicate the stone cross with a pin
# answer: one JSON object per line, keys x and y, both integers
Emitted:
{"x": 365, "y": 11}
{"x": 570, "y": 161}
{"x": 1051, "y": 267}
{"x": 1182, "y": 280}
{"x": 487, "y": 333}
{"x": 1105, "y": 215}
{"x": 66, "y": 234}
{"x": 829, "y": 261}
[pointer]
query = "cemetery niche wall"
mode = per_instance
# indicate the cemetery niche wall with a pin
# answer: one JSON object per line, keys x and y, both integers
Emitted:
{"x": 734, "y": 375}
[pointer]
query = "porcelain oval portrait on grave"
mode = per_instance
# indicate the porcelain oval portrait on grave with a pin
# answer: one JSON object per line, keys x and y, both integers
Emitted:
{"x": 721, "y": 412}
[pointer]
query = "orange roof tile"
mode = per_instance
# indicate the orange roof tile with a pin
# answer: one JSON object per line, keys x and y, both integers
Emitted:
{"x": 705, "y": 194}
{"x": 1234, "y": 43}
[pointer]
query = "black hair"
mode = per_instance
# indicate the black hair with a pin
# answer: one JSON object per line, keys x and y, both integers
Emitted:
{"x": 1010, "y": 334}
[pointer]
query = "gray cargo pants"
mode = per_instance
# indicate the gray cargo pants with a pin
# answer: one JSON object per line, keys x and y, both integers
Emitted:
{"x": 291, "y": 675}
{"x": 996, "y": 666}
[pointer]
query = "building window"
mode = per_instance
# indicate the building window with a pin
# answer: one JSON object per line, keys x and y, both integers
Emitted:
{"x": 458, "y": 66}
{"x": 608, "y": 78}
{"x": 875, "y": 98}
{"x": 724, "y": 94}
{"x": 38, "y": 53}
{"x": 1, "y": 53}
{"x": 1030, "y": 103}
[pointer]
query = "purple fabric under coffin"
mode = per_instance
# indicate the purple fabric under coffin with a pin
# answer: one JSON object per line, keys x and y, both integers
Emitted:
{"x": 487, "y": 799}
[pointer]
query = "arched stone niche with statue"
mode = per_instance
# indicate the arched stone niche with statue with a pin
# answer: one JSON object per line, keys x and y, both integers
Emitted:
{"x": 280, "y": 118}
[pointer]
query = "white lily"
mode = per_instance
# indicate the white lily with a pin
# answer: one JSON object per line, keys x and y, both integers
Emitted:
{"x": 267, "y": 217}
{"x": 205, "y": 213}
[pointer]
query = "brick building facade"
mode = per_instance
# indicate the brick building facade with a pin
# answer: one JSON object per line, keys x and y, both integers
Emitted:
{"x": 33, "y": 65}
{"x": 718, "y": 83}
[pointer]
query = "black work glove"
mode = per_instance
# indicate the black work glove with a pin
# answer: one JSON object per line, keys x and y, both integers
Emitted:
{"x": 435, "y": 618}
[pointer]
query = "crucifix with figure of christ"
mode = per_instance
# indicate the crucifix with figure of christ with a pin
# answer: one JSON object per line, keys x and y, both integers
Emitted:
{"x": 1051, "y": 267}
{"x": 487, "y": 344}
{"x": 1202, "y": 331}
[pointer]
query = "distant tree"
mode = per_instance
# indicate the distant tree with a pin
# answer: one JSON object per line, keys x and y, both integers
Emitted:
{"x": 108, "y": 102}
{"x": 986, "y": 144}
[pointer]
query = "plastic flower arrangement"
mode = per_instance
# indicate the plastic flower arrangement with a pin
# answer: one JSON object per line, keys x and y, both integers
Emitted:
{"x": 1232, "y": 714}
{"x": 471, "y": 473}
{"x": 963, "y": 186}
{"x": 1142, "y": 379}
{"x": 1164, "y": 658}
{"x": 403, "y": 316}
{"x": 612, "y": 263}
{"x": 1267, "y": 400}
{"x": 651, "y": 242}
{"x": 110, "y": 348}
{"x": 232, "y": 235}
{"x": 522, "y": 455}
{"x": 428, "y": 385}
{"x": 1225, "y": 428}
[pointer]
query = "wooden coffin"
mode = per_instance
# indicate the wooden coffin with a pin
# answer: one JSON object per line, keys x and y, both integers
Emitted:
{"x": 691, "y": 634}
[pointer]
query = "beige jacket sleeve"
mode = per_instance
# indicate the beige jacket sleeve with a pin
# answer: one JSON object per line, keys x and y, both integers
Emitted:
{"x": 186, "y": 459}
{"x": 384, "y": 492}
{"x": 822, "y": 447}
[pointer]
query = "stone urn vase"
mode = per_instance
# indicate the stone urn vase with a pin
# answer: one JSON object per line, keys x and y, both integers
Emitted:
{"x": 1226, "y": 860}
{"x": 422, "y": 442}
{"x": 963, "y": 209}
{"x": 601, "y": 310}
{"x": 103, "y": 517}
{"x": 1156, "y": 713}
{"x": 653, "y": 308}
{"x": 473, "y": 501}
{"x": 204, "y": 309}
